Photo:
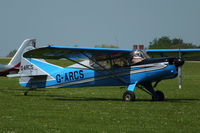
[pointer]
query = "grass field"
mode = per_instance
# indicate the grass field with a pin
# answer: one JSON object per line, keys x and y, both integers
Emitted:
{"x": 100, "y": 109}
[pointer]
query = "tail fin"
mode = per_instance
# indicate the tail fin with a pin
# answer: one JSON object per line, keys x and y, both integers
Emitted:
{"x": 36, "y": 67}
{"x": 36, "y": 73}
{"x": 28, "y": 44}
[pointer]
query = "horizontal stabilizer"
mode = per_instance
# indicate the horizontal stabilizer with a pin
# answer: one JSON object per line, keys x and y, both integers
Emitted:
{"x": 13, "y": 75}
{"x": 23, "y": 75}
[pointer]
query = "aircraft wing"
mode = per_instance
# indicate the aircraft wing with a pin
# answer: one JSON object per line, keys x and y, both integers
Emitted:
{"x": 191, "y": 54}
{"x": 59, "y": 52}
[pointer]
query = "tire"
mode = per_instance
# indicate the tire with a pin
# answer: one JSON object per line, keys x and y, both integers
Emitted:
{"x": 159, "y": 96}
{"x": 129, "y": 96}
{"x": 25, "y": 93}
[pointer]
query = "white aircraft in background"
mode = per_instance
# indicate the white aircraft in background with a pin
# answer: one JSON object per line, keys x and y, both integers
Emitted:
{"x": 15, "y": 62}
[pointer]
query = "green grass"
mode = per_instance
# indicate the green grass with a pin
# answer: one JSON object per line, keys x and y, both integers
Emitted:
{"x": 100, "y": 109}
{"x": 4, "y": 61}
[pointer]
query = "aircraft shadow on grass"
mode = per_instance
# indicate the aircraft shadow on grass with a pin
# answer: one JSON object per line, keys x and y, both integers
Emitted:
{"x": 106, "y": 99}
{"x": 69, "y": 98}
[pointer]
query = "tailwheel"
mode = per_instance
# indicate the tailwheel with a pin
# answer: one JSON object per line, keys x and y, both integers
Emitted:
{"x": 31, "y": 89}
{"x": 25, "y": 93}
{"x": 159, "y": 96}
{"x": 129, "y": 96}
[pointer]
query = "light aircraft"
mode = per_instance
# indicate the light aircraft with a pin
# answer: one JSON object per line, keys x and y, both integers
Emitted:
{"x": 14, "y": 64}
{"x": 101, "y": 67}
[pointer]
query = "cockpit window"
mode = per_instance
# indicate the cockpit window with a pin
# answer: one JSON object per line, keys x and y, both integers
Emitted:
{"x": 138, "y": 56}
{"x": 122, "y": 61}
{"x": 110, "y": 63}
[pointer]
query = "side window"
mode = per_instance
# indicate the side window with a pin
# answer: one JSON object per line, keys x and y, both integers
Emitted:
{"x": 120, "y": 62}
{"x": 105, "y": 63}
{"x": 123, "y": 61}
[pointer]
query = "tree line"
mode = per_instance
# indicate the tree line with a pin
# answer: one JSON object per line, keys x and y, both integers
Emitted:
{"x": 167, "y": 43}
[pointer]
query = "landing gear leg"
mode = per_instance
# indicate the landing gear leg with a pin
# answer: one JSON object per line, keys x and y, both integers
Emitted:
{"x": 129, "y": 94}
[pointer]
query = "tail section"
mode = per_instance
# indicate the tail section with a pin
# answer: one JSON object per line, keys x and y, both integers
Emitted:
{"x": 14, "y": 64}
{"x": 27, "y": 45}
{"x": 36, "y": 73}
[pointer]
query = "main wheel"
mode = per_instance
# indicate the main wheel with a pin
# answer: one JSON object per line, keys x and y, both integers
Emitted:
{"x": 129, "y": 96}
{"x": 159, "y": 96}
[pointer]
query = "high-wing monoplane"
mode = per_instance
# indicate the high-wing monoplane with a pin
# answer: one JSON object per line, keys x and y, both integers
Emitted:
{"x": 101, "y": 67}
{"x": 14, "y": 64}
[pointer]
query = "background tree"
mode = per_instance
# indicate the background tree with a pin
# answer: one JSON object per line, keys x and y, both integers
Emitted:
{"x": 12, "y": 53}
{"x": 167, "y": 43}
{"x": 105, "y": 46}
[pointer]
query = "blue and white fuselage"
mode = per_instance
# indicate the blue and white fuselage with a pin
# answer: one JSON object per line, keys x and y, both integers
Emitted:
{"x": 37, "y": 73}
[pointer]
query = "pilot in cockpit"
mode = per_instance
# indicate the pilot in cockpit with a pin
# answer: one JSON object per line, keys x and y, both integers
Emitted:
{"x": 137, "y": 56}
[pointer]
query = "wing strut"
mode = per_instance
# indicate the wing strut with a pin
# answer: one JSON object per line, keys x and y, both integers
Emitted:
{"x": 113, "y": 75}
{"x": 94, "y": 69}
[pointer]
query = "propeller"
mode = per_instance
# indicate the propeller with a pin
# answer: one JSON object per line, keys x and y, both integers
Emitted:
{"x": 180, "y": 60}
{"x": 178, "y": 63}
{"x": 179, "y": 77}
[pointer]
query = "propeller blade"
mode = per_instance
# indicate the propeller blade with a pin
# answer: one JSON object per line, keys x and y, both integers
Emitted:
{"x": 179, "y": 70}
{"x": 180, "y": 76}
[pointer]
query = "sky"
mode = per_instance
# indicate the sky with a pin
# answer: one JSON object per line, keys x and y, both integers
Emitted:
{"x": 93, "y": 22}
